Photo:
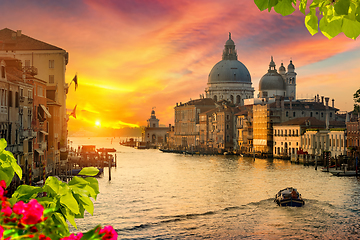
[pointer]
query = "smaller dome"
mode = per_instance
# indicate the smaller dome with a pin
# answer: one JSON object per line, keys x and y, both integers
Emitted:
{"x": 282, "y": 68}
{"x": 229, "y": 41}
{"x": 291, "y": 65}
{"x": 272, "y": 81}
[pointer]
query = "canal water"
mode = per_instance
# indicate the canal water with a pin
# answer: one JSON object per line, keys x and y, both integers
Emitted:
{"x": 155, "y": 195}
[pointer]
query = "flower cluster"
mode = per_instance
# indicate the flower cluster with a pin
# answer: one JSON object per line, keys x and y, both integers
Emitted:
{"x": 27, "y": 220}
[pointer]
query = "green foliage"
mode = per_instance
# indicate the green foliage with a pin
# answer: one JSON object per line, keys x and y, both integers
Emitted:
{"x": 331, "y": 16}
{"x": 8, "y": 164}
{"x": 66, "y": 200}
{"x": 357, "y": 101}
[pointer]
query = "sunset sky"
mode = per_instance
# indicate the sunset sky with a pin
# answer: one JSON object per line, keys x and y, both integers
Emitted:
{"x": 133, "y": 55}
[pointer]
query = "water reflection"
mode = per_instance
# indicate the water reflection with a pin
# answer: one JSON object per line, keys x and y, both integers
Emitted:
{"x": 158, "y": 195}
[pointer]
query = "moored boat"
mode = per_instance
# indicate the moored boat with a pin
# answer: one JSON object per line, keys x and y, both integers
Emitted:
{"x": 289, "y": 197}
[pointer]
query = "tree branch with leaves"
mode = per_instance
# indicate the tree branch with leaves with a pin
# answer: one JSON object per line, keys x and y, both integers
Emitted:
{"x": 330, "y": 16}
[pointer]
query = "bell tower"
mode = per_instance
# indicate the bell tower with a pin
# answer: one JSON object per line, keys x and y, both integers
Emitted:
{"x": 291, "y": 81}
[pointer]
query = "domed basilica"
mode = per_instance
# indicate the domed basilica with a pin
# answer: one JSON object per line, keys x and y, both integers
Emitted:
{"x": 278, "y": 84}
{"x": 229, "y": 79}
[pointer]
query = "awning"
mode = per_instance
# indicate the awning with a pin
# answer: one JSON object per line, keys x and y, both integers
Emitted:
{"x": 45, "y": 133}
{"x": 39, "y": 151}
{"x": 45, "y": 110}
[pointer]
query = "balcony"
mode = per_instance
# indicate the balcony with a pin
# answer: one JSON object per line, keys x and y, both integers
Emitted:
{"x": 22, "y": 99}
{"x": 30, "y": 70}
{"x": 30, "y": 100}
{"x": 43, "y": 146}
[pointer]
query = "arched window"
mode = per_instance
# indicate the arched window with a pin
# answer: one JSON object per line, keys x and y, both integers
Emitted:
{"x": 231, "y": 98}
{"x": 238, "y": 99}
{"x": 215, "y": 98}
{"x": 153, "y": 138}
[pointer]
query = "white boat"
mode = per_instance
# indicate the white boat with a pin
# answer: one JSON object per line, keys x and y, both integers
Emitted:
{"x": 289, "y": 197}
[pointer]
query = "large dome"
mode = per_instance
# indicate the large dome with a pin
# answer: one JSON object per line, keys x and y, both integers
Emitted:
{"x": 229, "y": 71}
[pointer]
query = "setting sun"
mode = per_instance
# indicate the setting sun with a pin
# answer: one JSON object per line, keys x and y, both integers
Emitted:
{"x": 97, "y": 123}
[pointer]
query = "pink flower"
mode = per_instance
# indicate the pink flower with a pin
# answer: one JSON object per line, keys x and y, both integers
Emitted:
{"x": 110, "y": 233}
{"x": 73, "y": 237}
{"x": 7, "y": 211}
{"x": 3, "y": 184}
{"x": 1, "y": 232}
{"x": 33, "y": 212}
{"x": 19, "y": 207}
{"x": 1, "y": 191}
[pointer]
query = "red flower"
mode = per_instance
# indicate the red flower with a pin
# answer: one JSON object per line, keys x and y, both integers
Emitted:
{"x": 19, "y": 208}
{"x": 33, "y": 212}
{"x": 110, "y": 233}
{"x": 3, "y": 184}
{"x": 1, "y": 191}
{"x": 73, "y": 237}
{"x": 1, "y": 232}
{"x": 43, "y": 237}
{"x": 7, "y": 211}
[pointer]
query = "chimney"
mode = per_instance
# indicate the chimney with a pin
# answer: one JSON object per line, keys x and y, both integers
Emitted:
{"x": 318, "y": 98}
{"x": 327, "y": 102}
{"x": 315, "y": 98}
{"x": 333, "y": 103}
{"x": 322, "y": 99}
{"x": 18, "y": 33}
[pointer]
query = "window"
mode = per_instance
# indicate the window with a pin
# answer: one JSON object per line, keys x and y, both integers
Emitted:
{"x": 10, "y": 99}
{"x": 287, "y": 113}
{"x": 311, "y": 114}
{"x": 51, "y": 63}
{"x": 51, "y": 79}
{"x": 330, "y": 114}
{"x": 2, "y": 71}
{"x": 40, "y": 91}
{"x": 294, "y": 114}
{"x": 322, "y": 114}
{"x": 27, "y": 63}
{"x": 317, "y": 113}
{"x": 30, "y": 94}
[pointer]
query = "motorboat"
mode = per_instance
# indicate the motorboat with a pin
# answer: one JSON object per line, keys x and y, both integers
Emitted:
{"x": 289, "y": 197}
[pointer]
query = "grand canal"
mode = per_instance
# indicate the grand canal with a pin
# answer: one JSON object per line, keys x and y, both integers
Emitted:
{"x": 155, "y": 195}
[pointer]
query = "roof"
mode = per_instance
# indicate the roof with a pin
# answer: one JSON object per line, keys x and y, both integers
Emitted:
{"x": 11, "y": 40}
{"x": 303, "y": 121}
{"x": 299, "y": 105}
{"x": 201, "y": 101}
{"x": 312, "y": 122}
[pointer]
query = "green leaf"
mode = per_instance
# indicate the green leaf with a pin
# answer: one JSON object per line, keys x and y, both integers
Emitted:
{"x": 3, "y": 144}
{"x": 86, "y": 202}
{"x": 342, "y": 7}
{"x": 6, "y": 175}
{"x": 302, "y": 6}
{"x": 351, "y": 28}
{"x": 89, "y": 171}
{"x": 311, "y": 22}
{"x": 69, "y": 215}
{"x": 272, "y": 3}
{"x": 17, "y": 169}
{"x": 52, "y": 186}
{"x": 78, "y": 181}
{"x": 70, "y": 202}
{"x": 284, "y": 7}
{"x": 26, "y": 192}
{"x": 357, "y": 13}
{"x": 262, "y": 4}
{"x": 330, "y": 28}
{"x": 60, "y": 219}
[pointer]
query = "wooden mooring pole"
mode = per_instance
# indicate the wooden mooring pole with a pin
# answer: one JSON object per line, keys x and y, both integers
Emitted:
{"x": 110, "y": 163}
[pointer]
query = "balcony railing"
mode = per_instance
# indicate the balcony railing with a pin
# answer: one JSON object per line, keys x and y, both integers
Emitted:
{"x": 30, "y": 100}
{"x": 30, "y": 70}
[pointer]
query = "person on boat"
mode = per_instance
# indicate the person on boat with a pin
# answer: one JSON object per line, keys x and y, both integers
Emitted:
{"x": 294, "y": 194}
